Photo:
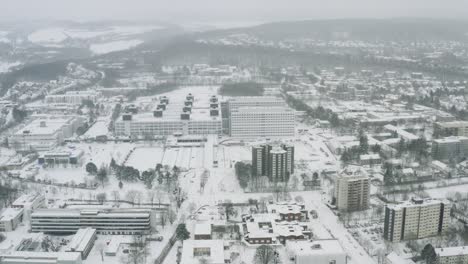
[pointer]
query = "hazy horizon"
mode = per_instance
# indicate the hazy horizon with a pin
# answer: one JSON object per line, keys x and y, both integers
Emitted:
{"x": 212, "y": 11}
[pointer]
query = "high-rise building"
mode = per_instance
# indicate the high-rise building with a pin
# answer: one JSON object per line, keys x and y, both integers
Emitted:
{"x": 352, "y": 189}
{"x": 266, "y": 122}
{"x": 415, "y": 219}
{"x": 276, "y": 162}
{"x": 258, "y": 116}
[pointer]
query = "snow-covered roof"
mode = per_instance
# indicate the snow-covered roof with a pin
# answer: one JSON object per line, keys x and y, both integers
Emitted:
{"x": 416, "y": 203}
{"x": 394, "y": 258}
{"x": 203, "y": 228}
{"x": 41, "y": 257}
{"x": 81, "y": 239}
{"x": 10, "y": 213}
{"x": 315, "y": 248}
{"x": 451, "y": 251}
{"x": 214, "y": 250}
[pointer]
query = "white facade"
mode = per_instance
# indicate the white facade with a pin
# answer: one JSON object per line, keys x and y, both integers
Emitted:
{"x": 317, "y": 252}
{"x": 452, "y": 255}
{"x": 254, "y": 122}
{"x": 27, "y": 257}
{"x": 352, "y": 189}
{"x": 416, "y": 219}
{"x": 201, "y": 117}
{"x": 29, "y": 202}
{"x": 83, "y": 241}
{"x": 105, "y": 221}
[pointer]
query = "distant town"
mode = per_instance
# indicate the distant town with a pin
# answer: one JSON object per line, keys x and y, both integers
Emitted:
{"x": 236, "y": 147}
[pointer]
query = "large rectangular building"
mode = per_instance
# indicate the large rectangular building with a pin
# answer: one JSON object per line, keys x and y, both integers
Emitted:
{"x": 10, "y": 218}
{"x": 317, "y": 252}
{"x": 189, "y": 116}
{"x": 352, "y": 189}
{"x": 82, "y": 242}
{"x": 72, "y": 97}
{"x": 450, "y": 148}
{"x": 451, "y": 255}
{"x": 454, "y": 128}
{"x": 43, "y": 134}
{"x": 110, "y": 221}
{"x": 27, "y": 257}
{"x": 415, "y": 219}
{"x": 262, "y": 122}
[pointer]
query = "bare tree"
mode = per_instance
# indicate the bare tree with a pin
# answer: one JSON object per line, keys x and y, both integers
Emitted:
{"x": 101, "y": 197}
{"x": 131, "y": 196}
{"x": 116, "y": 196}
{"x": 100, "y": 248}
{"x": 138, "y": 251}
{"x": 265, "y": 255}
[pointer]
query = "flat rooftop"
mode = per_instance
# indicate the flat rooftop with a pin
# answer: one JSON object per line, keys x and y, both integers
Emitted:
{"x": 216, "y": 248}
{"x": 41, "y": 257}
{"x": 317, "y": 247}
{"x": 261, "y": 109}
{"x": 10, "y": 213}
{"x": 44, "y": 126}
{"x": 200, "y": 111}
{"x": 26, "y": 200}
{"x": 96, "y": 213}
{"x": 451, "y": 251}
{"x": 416, "y": 203}
{"x": 81, "y": 239}
{"x": 453, "y": 124}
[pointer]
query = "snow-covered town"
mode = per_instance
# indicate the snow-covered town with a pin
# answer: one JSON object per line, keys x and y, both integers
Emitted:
{"x": 315, "y": 141}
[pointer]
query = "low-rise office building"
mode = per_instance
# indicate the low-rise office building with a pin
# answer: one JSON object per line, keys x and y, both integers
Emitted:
{"x": 288, "y": 211}
{"x": 270, "y": 229}
{"x": 10, "y": 218}
{"x": 29, "y": 202}
{"x": 192, "y": 116}
{"x": 27, "y": 257}
{"x": 72, "y": 97}
{"x": 317, "y": 252}
{"x": 211, "y": 250}
{"x": 64, "y": 156}
{"x": 105, "y": 221}
{"x": 43, "y": 134}
{"x": 415, "y": 219}
{"x": 451, "y": 255}
{"x": 82, "y": 242}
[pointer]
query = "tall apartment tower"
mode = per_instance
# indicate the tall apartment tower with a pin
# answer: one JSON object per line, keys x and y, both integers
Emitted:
{"x": 276, "y": 162}
{"x": 415, "y": 219}
{"x": 352, "y": 189}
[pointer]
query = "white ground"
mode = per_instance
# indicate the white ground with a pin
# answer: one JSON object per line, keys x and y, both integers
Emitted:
{"x": 112, "y": 46}
{"x": 6, "y": 66}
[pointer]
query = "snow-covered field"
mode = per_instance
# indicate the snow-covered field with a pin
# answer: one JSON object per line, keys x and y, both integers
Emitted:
{"x": 6, "y": 66}
{"x": 59, "y": 34}
{"x": 102, "y": 48}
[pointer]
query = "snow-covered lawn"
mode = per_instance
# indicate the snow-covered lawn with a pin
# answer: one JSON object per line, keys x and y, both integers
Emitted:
{"x": 102, "y": 48}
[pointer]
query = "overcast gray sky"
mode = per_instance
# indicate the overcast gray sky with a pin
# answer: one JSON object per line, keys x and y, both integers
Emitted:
{"x": 229, "y": 10}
